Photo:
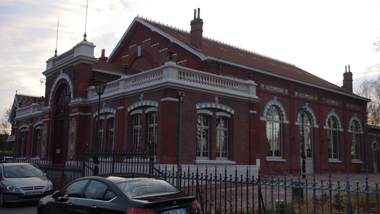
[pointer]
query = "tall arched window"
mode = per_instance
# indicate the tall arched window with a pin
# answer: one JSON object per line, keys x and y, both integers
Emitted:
{"x": 37, "y": 142}
{"x": 306, "y": 136}
{"x": 111, "y": 133}
{"x": 137, "y": 131}
{"x": 23, "y": 140}
{"x": 332, "y": 138}
{"x": 203, "y": 132}
{"x": 273, "y": 132}
{"x": 152, "y": 127}
{"x": 355, "y": 140}
{"x": 62, "y": 100}
{"x": 221, "y": 137}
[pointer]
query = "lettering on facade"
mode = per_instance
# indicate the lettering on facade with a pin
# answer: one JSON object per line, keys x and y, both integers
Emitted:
{"x": 333, "y": 102}
{"x": 74, "y": 110}
{"x": 353, "y": 107}
{"x": 274, "y": 89}
{"x": 46, "y": 116}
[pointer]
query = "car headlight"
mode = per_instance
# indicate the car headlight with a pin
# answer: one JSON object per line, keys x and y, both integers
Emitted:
{"x": 49, "y": 186}
{"x": 10, "y": 188}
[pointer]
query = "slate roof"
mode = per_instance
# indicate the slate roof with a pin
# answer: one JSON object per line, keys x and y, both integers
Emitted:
{"x": 214, "y": 50}
{"x": 233, "y": 54}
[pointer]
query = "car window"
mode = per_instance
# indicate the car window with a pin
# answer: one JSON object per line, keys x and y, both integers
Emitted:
{"x": 75, "y": 189}
{"x": 22, "y": 171}
{"x": 98, "y": 190}
{"x": 145, "y": 187}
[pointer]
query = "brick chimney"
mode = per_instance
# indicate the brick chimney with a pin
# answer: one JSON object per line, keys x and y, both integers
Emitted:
{"x": 196, "y": 31}
{"x": 103, "y": 57}
{"x": 347, "y": 79}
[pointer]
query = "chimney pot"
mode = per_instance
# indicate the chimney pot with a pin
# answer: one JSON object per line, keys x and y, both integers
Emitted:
{"x": 347, "y": 80}
{"x": 199, "y": 13}
{"x": 196, "y": 31}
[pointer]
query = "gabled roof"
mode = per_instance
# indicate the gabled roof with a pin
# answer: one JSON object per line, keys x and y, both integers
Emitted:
{"x": 220, "y": 52}
{"x": 21, "y": 101}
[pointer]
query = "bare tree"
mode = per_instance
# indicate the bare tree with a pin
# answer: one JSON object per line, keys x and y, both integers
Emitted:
{"x": 371, "y": 90}
{"x": 5, "y": 126}
{"x": 377, "y": 45}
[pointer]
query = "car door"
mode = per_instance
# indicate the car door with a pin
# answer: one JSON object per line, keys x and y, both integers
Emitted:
{"x": 70, "y": 195}
{"x": 92, "y": 198}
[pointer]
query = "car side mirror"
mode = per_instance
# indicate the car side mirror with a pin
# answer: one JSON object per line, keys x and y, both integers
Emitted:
{"x": 56, "y": 194}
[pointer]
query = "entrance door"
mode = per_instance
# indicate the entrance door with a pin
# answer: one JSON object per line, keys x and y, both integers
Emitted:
{"x": 61, "y": 128}
{"x": 306, "y": 145}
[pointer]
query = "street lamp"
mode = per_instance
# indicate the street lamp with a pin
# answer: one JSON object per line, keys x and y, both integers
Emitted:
{"x": 302, "y": 136}
{"x": 100, "y": 86}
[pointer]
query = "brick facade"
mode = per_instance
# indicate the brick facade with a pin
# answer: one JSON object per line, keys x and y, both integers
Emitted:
{"x": 214, "y": 86}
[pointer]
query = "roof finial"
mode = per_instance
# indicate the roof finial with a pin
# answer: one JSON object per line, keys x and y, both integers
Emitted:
{"x": 85, "y": 25}
{"x": 56, "y": 41}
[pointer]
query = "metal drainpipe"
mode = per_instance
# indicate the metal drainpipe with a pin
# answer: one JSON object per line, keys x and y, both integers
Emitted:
{"x": 180, "y": 95}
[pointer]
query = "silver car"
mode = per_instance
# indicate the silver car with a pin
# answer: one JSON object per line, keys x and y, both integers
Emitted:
{"x": 22, "y": 182}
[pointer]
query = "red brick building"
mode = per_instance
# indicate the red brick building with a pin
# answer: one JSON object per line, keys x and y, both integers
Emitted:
{"x": 226, "y": 106}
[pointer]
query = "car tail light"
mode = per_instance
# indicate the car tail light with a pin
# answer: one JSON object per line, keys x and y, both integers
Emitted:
{"x": 195, "y": 205}
{"x": 135, "y": 210}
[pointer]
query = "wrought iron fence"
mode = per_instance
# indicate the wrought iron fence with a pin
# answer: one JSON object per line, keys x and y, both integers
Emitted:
{"x": 220, "y": 192}
{"x": 225, "y": 193}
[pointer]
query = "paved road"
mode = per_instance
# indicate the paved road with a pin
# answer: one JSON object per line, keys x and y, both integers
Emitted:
{"x": 25, "y": 208}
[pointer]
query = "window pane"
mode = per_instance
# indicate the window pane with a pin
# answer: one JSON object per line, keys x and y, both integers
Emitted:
{"x": 202, "y": 135}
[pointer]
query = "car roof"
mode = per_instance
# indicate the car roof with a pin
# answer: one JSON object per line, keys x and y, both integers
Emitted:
{"x": 15, "y": 164}
{"x": 121, "y": 177}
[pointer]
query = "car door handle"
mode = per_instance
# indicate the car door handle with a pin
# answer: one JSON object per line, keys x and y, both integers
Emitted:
{"x": 93, "y": 206}
{"x": 70, "y": 204}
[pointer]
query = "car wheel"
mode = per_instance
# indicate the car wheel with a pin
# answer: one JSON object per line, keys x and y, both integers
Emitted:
{"x": 2, "y": 199}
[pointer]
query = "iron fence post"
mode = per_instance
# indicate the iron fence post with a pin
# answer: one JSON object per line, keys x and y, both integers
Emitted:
{"x": 349, "y": 207}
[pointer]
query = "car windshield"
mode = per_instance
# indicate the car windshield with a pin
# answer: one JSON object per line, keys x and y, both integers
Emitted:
{"x": 145, "y": 187}
{"x": 22, "y": 171}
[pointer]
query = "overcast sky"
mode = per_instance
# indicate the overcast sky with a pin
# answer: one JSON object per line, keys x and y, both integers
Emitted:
{"x": 320, "y": 37}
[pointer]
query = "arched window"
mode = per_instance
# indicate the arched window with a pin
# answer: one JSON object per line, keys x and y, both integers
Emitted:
{"x": 221, "y": 137}
{"x": 101, "y": 133}
{"x": 273, "y": 132}
{"x": 37, "y": 142}
{"x": 22, "y": 142}
{"x": 306, "y": 136}
{"x": 152, "y": 127}
{"x": 62, "y": 100}
{"x": 332, "y": 138}
{"x": 203, "y": 132}
{"x": 137, "y": 131}
{"x": 355, "y": 140}
{"x": 111, "y": 133}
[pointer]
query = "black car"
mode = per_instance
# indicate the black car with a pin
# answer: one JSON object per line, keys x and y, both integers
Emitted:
{"x": 129, "y": 194}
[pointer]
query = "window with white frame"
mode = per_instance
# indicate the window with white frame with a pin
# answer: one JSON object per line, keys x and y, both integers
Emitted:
{"x": 355, "y": 140}
{"x": 273, "y": 132}
{"x": 221, "y": 137}
{"x": 332, "y": 138}
{"x": 152, "y": 127}
{"x": 306, "y": 136}
{"x": 23, "y": 140}
{"x": 100, "y": 134}
{"x": 203, "y": 131}
{"x": 36, "y": 142}
{"x": 137, "y": 131}
{"x": 111, "y": 133}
